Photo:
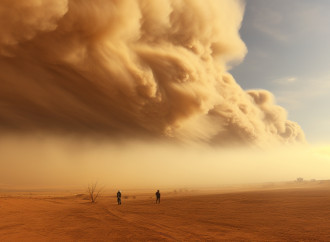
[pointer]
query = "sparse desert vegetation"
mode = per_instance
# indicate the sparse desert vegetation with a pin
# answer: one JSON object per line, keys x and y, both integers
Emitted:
{"x": 93, "y": 192}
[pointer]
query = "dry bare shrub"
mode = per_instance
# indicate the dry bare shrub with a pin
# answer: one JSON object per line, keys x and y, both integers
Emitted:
{"x": 93, "y": 192}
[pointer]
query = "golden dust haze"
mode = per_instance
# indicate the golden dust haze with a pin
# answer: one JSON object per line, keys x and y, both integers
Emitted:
{"x": 57, "y": 162}
{"x": 128, "y": 70}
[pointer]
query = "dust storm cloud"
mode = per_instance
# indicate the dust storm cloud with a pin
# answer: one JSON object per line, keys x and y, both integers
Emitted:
{"x": 132, "y": 68}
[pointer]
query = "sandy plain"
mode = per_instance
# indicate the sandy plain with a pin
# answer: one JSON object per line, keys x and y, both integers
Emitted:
{"x": 292, "y": 212}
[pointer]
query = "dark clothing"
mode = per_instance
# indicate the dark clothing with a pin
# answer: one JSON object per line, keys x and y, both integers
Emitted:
{"x": 158, "y": 196}
{"x": 119, "y": 198}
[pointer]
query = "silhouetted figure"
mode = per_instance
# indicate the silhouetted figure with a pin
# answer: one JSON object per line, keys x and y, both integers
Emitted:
{"x": 119, "y": 197}
{"x": 157, "y": 196}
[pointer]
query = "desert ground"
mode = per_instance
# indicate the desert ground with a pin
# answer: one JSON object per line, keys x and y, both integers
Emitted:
{"x": 294, "y": 212}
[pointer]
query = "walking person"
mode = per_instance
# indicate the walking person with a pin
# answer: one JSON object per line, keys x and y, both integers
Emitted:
{"x": 119, "y": 197}
{"x": 157, "y": 196}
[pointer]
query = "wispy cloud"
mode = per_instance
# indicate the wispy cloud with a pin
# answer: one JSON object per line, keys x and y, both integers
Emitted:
{"x": 284, "y": 21}
{"x": 272, "y": 31}
{"x": 285, "y": 80}
{"x": 268, "y": 21}
{"x": 304, "y": 93}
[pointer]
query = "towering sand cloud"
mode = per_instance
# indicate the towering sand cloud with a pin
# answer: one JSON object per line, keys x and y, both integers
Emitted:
{"x": 132, "y": 68}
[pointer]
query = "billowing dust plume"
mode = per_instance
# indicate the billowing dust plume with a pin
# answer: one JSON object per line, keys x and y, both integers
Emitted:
{"x": 132, "y": 68}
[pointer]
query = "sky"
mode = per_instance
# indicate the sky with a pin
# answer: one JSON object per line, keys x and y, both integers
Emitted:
{"x": 289, "y": 54}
